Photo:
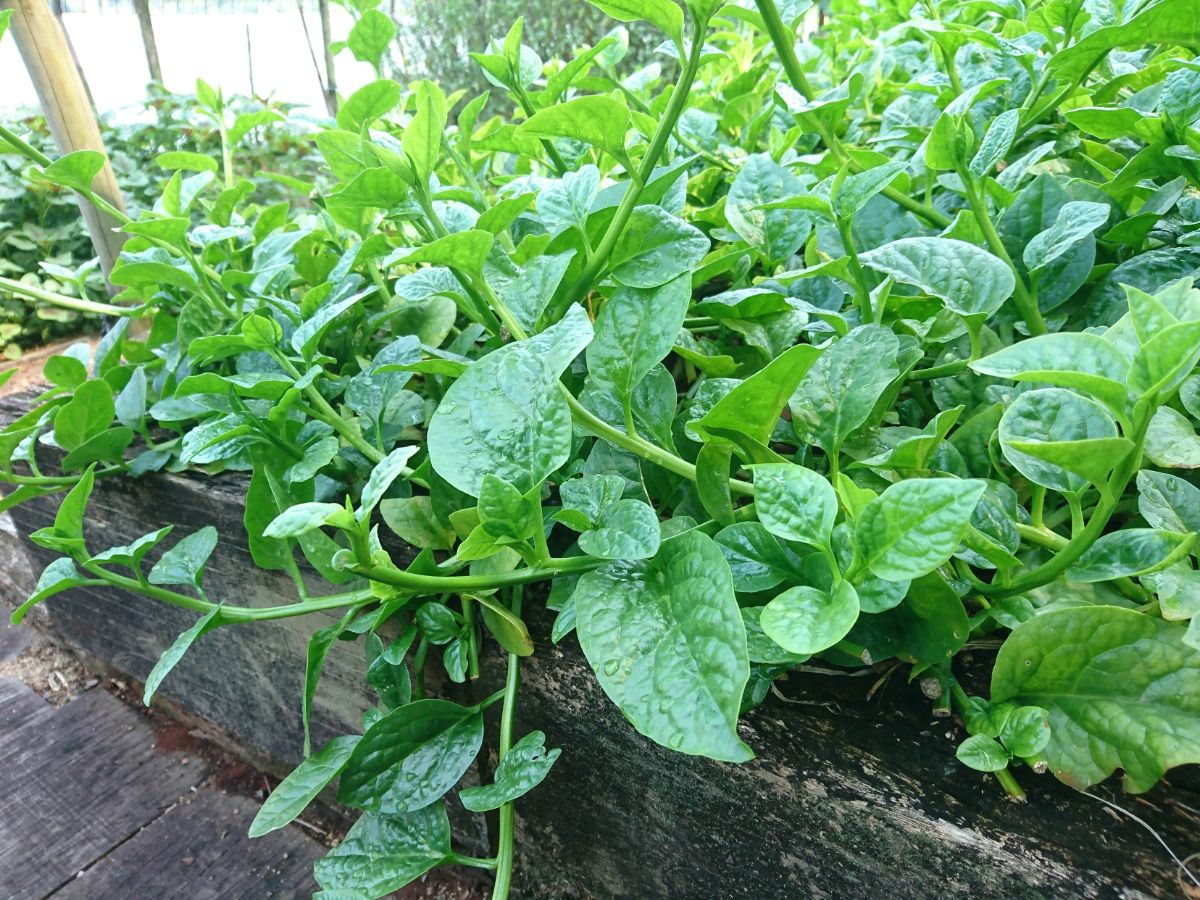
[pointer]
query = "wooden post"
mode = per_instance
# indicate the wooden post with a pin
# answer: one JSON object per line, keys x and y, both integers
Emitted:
{"x": 142, "y": 8}
{"x": 331, "y": 103}
{"x": 43, "y": 46}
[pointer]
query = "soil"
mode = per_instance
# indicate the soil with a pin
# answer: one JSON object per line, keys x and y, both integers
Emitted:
{"x": 29, "y": 366}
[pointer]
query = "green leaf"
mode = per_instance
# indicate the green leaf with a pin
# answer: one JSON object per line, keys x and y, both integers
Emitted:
{"x": 664, "y": 15}
{"x": 1130, "y": 552}
{"x": 184, "y": 563}
{"x": 60, "y": 575}
{"x": 753, "y": 407}
{"x": 968, "y": 279}
{"x": 302, "y": 518}
{"x": 626, "y": 529}
{"x": 1165, "y": 360}
{"x": 173, "y": 654}
{"x": 132, "y": 554}
{"x": 656, "y": 247}
{"x": 382, "y": 853}
{"x": 806, "y": 620}
{"x": 666, "y": 640}
{"x": 424, "y": 134}
{"x": 1084, "y": 362}
{"x": 522, "y": 769}
{"x": 411, "y": 757}
{"x": 795, "y": 503}
{"x": 840, "y": 389}
{"x": 505, "y": 626}
{"x": 370, "y": 102}
{"x": 292, "y": 795}
{"x": 778, "y": 233}
{"x": 413, "y": 520}
{"x": 1120, "y": 688}
{"x": 1076, "y": 221}
{"x": 89, "y": 411}
{"x": 506, "y": 415}
{"x": 1168, "y": 22}
{"x": 596, "y": 120}
{"x": 465, "y": 250}
{"x": 1026, "y": 731}
{"x": 369, "y": 38}
{"x": 76, "y": 170}
{"x": 983, "y": 754}
{"x": 386, "y": 471}
{"x": 635, "y": 329}
{"x": 915, "y": 525}
{"x": 756, "y": 558}
{"x": 1171, "y": 441}
{"x": 1060, "y": 440}
{"x": 505, "y": 512}
{"x": 5, "y": 16}
{"x": 1168, "y": 502}
{"x": 997, "y": 141}
{"x": 857, "y": 190}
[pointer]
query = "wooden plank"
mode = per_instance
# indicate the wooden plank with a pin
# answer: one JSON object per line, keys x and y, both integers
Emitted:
{"x": 19, "y": 704}
{"x": 74, "y": 785}
{"x": 846, "y": 798}
{"x": 199, "y": 850}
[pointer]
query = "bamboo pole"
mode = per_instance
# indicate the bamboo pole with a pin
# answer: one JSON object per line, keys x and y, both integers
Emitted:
{"x": 331, "y": 101}
{"x": 142, "y": 8}
{"x": 43, "y": 46}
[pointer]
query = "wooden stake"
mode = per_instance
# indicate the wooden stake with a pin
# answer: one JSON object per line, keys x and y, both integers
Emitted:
{"x": 331, "y": 101}
{"x": 43, "y": 46}
{"x": 142, "y": 8}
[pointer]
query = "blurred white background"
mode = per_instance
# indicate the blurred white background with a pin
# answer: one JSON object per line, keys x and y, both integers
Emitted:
{"x": 192, "y": 45}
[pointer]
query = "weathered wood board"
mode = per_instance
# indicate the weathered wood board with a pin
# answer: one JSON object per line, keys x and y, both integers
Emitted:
{"x": 847, "y": 798}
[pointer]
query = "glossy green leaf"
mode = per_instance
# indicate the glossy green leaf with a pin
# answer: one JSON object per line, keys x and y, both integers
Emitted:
{"x": 839, "y": 390}
{"x": 1060, "y": 440}
{"x": 997, "y": 141}
{"x": 778, "y": 233}
{"x": 968, "y": 279}
{"x": 756, "y": 558}
{"x": 596, "y": 120}
{"x": 522, "y": 769}
{"x": 506, "y": 414}
{"x": 1130, "y": 552}
{"x": 915, "y": 525}
{"x": 1084, "y": 362}
{"x": 667, "y": 643}
{"x": 382, "y": 853}
{"x": 635, "y": 330}
{"x": 301, "y": 787}
{"x": 982, "y": 754}
{"x": 381, "y": 479}
{"x": 1119, "y": 687}
{"x": 806, "y": 620}
{"x": 795, "y": 503}
{"x": 173, "y": 654}
{"x": 184, "y": 563}
{"x": 665, "y": 15}
{"x": 411, "y": 757}
{"x": 1168, "y": 502}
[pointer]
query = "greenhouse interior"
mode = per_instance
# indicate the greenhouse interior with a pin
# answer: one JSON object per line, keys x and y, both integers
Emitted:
{"x": 540, "y": 449}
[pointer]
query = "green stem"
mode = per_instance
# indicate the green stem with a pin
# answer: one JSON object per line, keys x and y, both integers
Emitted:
{"x": 856, "y": 269}
{"x": 234, "y": 613}
{"x": 786, "y": 50}
{"x": 435, "y": 584}
{"x": 504, "y": 842}
{"x": 329, "y": 415}
{"x": 1026, "y": 304}
{"x": 75, "y": 303}
{"x": 474, "y": 861}
{"x": 645, "y": 170}
{"x": 1083, "y": 539}
{"x": 556, "y": 160}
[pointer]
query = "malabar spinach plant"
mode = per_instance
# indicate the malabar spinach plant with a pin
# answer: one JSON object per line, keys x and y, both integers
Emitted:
{"x": 869, "y": 348}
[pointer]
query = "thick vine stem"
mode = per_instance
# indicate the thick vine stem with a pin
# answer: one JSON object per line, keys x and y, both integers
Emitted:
{"x": 75, "y": 303}
{"x": 434, "y": 584}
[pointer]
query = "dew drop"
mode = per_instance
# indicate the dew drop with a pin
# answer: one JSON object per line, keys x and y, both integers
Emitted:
{"x": 611, "y": 666}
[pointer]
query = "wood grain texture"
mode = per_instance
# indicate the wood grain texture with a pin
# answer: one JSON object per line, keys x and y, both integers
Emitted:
{"x": 198, "y": 850}
{"x": 75, "y": 784}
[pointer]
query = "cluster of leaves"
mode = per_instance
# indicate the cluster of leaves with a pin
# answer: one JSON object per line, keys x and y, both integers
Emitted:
{"x": 870, "y": 348}
{"x": 43, "y": 242}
